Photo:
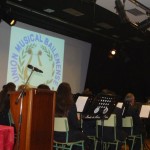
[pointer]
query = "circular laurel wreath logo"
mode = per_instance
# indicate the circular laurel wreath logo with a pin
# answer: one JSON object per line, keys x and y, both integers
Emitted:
{"x": 50, "y": 57}
{"x": 22, "y": 67}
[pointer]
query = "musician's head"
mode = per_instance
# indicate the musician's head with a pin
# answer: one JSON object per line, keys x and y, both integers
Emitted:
{"x": 43, "y": 86}
{"x": 130, "y": 98}
{"x": 10, "y": 86}
{"x": 64, "y": 98}
{"x": 107, "y": 92}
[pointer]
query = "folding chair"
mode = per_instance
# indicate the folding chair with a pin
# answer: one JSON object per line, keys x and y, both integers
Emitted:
{"x": 61, "y": 125}
{"x": 93, "y": 138}
{"x": 127, "y": 122}
{"x": 110, "y": 123}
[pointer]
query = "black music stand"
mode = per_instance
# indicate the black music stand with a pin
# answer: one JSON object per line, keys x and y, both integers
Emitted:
{"x": 101, "y": 108}
{"x": 82, "y": 103}
{"x": 88, "y": 104}
{"x": 126, "y": 105}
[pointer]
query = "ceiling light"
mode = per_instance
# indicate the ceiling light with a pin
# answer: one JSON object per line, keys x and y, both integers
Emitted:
{"x": 6, "y": 15}
{"x": 135, "y": 12}
{"x": 105, "y": 25}
{"x": 48, "y": 10}
{"x": 137, "y": 39}
{"x": 115, "y": 36}
{"x": 8, "y": 18}
{"x": 113, "y": 51}
{"x": 73, "y": 12}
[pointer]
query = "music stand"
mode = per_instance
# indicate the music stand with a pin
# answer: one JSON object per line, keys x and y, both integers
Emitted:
{"x": 125, "y": 108}
{"x": 101, "y": 108}
{"x": 145, "y": 111}
{"x": 82, "y": 103}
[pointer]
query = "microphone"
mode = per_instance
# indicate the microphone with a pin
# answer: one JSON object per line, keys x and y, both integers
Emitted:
{"x": 34, "y": 68}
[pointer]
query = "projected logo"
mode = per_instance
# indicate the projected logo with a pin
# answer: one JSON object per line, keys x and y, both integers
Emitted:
{"x": 40, "y": 51}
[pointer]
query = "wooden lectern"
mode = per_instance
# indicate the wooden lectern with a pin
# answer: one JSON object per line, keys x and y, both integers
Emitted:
{"x": 37, "y": 119}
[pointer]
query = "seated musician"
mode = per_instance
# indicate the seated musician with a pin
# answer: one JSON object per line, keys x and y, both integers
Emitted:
{"x": 88, "y": 125}
{"x": 121, "y": 135}
{"x": 133, "y": 110}
{"x": 65, "y": 107}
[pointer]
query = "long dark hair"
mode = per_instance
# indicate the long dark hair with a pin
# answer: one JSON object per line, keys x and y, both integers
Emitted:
{"x": 64, "y": 99}
{"x": 4, "y": 96}
{"x": 3, "y": 99}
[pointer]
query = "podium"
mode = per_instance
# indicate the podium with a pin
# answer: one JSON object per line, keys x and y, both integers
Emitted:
{"x": 37, "y": 119}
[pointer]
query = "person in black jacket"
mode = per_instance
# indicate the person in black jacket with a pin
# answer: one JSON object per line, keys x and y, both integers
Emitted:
{"x": 133, "y": 110}
{"x": 65, "y": 107}
{"x": 5, "y": 103}
{"x": 108, "y": 132}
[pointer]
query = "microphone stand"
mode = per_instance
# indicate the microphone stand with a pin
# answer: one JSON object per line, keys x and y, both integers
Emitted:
{"x": 21, "y": 97}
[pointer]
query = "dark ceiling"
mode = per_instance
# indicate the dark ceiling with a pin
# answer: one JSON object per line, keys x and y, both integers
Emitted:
{"x": 82, "y": 19}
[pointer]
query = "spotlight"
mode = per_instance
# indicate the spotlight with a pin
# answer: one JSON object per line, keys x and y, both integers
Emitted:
{"x": 8, "y": 18}
{"x": 6, "y": 15}
{"x": 113, "y": 51}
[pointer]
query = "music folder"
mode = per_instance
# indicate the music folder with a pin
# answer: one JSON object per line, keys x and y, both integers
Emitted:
{"x": 80, "y": 103}
{"x": 119, "y": 105}
{"x": 145, "y": 111}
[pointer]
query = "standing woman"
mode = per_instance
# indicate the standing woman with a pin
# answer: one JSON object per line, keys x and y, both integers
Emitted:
{"x": 5, "y": 103}
{"x": 4, "y": 107}
{"x": 65, "y": 107}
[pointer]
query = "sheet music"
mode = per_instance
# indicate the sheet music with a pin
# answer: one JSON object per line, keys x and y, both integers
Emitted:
{"x": 119, "y": 105}
{"x": 80, "y": 103}
{"x": 145, "y": 110}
